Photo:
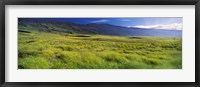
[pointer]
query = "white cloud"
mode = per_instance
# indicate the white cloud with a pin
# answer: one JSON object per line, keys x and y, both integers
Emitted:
{"x": 174, "y": 26}
{"x": 100, "y": 21}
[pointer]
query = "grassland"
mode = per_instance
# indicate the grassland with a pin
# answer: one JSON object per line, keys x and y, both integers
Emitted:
{"x": 42, "y": 50}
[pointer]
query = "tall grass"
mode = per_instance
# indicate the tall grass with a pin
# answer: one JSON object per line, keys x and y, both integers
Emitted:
{"x": 42, "y": 50}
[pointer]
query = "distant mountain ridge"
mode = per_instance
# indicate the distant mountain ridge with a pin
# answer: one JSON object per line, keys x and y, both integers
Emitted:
{"x": 93, "y": 28}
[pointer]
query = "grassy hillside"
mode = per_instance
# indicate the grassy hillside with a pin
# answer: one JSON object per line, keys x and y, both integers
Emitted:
{"x": 42, "y": 50}
{"x": 93, "y": 28}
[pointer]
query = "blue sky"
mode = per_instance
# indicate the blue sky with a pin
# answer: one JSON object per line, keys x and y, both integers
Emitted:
{"x": 172, "y": 23}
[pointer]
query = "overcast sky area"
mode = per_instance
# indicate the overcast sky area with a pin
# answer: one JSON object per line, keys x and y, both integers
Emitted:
{"x": 168, "y": 23}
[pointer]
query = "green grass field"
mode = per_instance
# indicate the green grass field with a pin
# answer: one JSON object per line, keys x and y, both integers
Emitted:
{"x": 42, "y": 50}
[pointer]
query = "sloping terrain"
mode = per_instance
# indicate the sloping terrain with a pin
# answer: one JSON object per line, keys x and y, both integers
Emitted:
{"x": 101, "y": 29}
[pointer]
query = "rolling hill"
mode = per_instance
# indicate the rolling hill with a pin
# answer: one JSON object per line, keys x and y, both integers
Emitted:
{"x": 92, "y": 28}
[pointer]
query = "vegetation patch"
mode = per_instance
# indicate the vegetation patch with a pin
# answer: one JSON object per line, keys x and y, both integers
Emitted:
{"x": 45, "y": 50}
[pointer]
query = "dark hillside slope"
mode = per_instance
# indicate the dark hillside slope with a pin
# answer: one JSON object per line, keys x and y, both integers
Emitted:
{"x": 102, "y": 29}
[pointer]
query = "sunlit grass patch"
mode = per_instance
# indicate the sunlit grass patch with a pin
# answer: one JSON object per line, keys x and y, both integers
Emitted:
{"x": 43, "y": 50}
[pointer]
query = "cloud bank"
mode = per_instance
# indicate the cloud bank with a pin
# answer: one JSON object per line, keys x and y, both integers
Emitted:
{"x": 174, "y": 26}
{"x": 100, "y": 21}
